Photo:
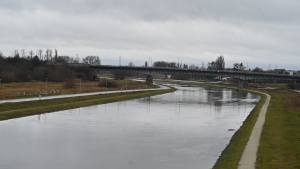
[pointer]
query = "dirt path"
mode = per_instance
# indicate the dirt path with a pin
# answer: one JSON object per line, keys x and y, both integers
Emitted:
{"x": 248, "y": 158}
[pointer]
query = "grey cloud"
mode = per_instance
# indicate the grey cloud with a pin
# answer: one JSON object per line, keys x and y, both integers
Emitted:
{"x": 268, "y": 10}
{"x": 256, "y": 32}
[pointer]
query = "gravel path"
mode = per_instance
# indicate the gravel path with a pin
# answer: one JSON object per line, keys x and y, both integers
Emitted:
{"x": 248, "y": 158}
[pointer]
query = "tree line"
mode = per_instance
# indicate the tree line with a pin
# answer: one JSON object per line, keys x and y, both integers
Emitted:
{"x": 23, "y": 68}
{"x": 218, "y": 64}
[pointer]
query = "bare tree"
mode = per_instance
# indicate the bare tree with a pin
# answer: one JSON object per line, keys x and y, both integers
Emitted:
{"x": 40, "y": 52}
{"x": 16, "y": 54}
{"x": 193, "y": 67}
{"x": 31, "y": 54}
{"x": 160, "y": 64}
{"x": 47, "y": 55}
{"x": 55, "y": 57}
{"x": 1, "y": 54}
{"x": 220, "y": 63}
{"x": 238, "y": 66}
{"x": 23, "y": 53}
{"x": 211, "y": 65}
{"x": 131, "y": 64}
{"x": 257, "y": 69}
{"x": 92, "y": 60}
{"x": 172, "y": 64}
{"x": 77, "y": 59}
{"x": 50, "y": 55}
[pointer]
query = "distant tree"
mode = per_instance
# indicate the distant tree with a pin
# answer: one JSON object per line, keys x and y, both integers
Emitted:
{"x": 238, "y": 66}
{"x": 193, "y": 67}
{"x": 202, "y": 67}
{"x": 65, "y": 59}
{"x": 55, "y": 56}
{"x": 146, "y": 64}
{"x": 211, "y": 65}
{"x": 47, "y": 55}
{"x": 185, "y": 66}
{"x": 23, "y": 53}
{"x": 160, "y": 64}
{"x": 1, "y": 54}
{"x": 16, "y": 54}
{"x": 220, "y": 63}
{"x": 92, "y": 60}
{"x": 76, "y": 60}
{"x": 131, "y": 64}
{"x": 40, "y": 53}
{"x": 50, "y": 55}
{"x": 35, "y": 62}
{"x": 31, "y": 54}
{"x": 257, "y": 69}
{"x": 172, "y": 64}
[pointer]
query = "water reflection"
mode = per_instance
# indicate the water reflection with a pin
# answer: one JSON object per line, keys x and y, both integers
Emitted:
{"x": 184, "y": 129}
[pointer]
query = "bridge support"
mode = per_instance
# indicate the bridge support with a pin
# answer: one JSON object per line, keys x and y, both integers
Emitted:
{"x": 149, "y": 79}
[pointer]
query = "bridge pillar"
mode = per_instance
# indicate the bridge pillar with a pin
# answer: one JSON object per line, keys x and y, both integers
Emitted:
{"x": 149, "y": 79}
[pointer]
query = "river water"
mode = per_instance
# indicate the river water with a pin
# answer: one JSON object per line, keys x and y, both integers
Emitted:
{"x": 185, "y": 129}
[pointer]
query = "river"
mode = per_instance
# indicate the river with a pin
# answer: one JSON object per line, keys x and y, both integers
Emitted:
{"x": 185, "y": 129}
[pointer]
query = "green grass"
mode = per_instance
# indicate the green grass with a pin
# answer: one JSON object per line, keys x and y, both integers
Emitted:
{"x": 280, "y": 140}
{"x": 16, "y": 110}
{"x": 231, "y": 155}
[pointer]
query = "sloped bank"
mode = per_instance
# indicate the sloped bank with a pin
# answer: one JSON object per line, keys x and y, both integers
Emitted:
{"x": 231, "y": 155}
{"x": 22, "y": 109}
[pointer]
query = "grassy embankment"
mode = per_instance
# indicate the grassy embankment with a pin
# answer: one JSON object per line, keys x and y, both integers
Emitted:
{"x": 280, "y": 139}
{"x": 15, "y": 110}
{"x": 231, "y": 155}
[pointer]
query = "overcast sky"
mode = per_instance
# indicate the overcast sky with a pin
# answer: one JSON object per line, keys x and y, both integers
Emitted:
{"x": 257, "y": 33}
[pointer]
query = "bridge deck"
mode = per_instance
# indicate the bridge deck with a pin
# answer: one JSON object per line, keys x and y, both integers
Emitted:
{"x": 244, "y": 75}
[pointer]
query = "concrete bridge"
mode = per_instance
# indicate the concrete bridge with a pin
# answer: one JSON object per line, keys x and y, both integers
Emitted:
{"x": 242, "y": 75}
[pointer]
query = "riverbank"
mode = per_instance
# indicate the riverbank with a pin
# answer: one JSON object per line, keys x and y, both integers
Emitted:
{"x": 279, "y": 145}
{"x": 231, "y": 155}
{"x": 16, "y": 110}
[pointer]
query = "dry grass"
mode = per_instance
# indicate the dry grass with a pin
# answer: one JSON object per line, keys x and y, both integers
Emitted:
{"x": 6, "y": 89}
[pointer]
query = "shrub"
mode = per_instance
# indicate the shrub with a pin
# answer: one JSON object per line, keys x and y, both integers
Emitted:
{"x": 108, "y": 83}
{"x": 69, "y": 83}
